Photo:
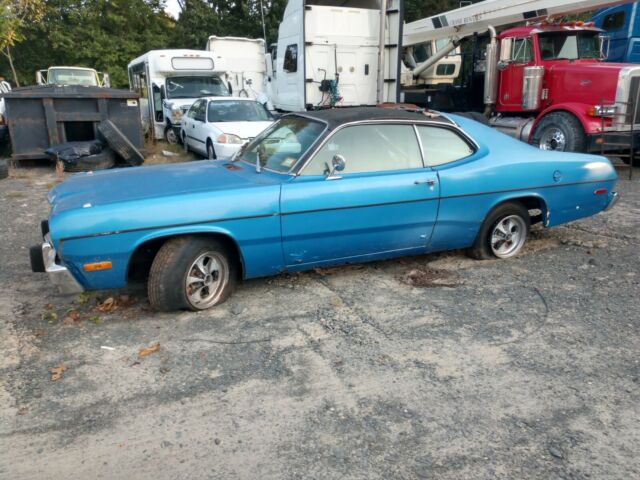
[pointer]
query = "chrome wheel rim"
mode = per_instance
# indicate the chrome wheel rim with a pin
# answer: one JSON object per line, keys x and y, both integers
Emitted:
{"x": 553, "y": 139}
{"x": 206, "y": 279}
{"x": 508, "y": 236}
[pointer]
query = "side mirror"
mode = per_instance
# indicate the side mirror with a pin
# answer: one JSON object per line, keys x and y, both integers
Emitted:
{"x": 338, "y": 163}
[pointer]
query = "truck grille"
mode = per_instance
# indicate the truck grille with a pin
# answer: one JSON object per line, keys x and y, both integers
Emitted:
{"x": 633, "y": 106}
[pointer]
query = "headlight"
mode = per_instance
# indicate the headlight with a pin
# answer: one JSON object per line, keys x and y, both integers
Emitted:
{"x": 228, "y": 138}
{"x": 176, "y": 113}
{"x": 602, "y": 111}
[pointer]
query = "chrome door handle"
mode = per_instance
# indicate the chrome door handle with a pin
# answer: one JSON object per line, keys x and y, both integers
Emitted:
{"x": 431, "y": 182}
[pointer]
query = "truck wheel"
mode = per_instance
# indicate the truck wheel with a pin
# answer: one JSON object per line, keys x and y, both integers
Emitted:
{"x": 503, "y": 233}
{"x": 559, "y": 131}
{"x": 192, "y": 273}
{"x": 170, "y": 135}
{"x": 98, "y": 161}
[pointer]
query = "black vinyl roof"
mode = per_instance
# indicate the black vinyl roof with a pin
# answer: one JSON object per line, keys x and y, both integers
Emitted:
{"x": 335, "y": 117}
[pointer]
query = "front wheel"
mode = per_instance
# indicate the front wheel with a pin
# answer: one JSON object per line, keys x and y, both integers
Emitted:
{"x": 170, "y": 135}
{"x": 211, "y": 153}
{"x": 192, "y": 273}
{"x": 503, "y": 233}
{"x": 559, "y": 131}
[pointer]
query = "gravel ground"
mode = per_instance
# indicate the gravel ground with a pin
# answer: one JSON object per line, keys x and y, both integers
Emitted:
{"x": 425, "y": 367}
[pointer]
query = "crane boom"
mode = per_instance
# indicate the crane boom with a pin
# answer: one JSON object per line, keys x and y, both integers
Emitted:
{"x": 462, "y": 22}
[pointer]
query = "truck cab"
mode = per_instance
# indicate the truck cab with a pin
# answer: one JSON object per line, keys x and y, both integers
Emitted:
{"x": 82, "y": 76}
{"x": 621, "y": 24}
{"x": 548, "y": 85}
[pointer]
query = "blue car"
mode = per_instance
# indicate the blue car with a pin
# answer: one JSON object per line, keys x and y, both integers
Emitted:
{"x": 315, "y": 189}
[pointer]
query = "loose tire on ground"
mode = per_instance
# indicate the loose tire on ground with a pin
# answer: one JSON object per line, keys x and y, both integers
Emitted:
{"x": 4, "y": 168}
{"x": 176, "y": 282}
{"x": 482, "y": 248}
{"x": 559, "y": 131}
{"x": 99, "y": 161}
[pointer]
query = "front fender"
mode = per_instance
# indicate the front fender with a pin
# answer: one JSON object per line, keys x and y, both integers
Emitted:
{"x": 578, "y": 110}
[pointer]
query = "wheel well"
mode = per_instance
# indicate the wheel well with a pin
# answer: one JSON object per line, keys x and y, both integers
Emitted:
{"x": 535, "y": 205}
{"x": 142, "y": 258}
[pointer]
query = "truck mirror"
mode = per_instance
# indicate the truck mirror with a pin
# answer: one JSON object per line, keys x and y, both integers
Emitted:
{"x": 106, "y": 82}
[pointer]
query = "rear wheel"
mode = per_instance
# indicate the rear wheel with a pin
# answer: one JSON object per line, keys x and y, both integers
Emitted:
{"x": 503, "y": 233}
{"x": 559, "y": 131}
{"x": 193, "y": 273}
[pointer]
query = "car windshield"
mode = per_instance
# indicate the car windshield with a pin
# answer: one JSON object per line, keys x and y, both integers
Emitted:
{"x": 72, "y": 76}
{"x": 194, "y": 87}
{"x": 280, "y": 146}
{"x": 569, "y": 46}
{"x": 237, "y": 111}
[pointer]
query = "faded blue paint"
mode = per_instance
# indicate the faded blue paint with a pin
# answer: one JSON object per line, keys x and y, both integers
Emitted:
{"x": 284, "y": 222}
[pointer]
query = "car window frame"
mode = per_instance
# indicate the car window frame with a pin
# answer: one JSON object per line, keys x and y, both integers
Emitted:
{"x": 365, "y": 123}
{"x": 458, "y": 131}
{"x": 192, "y": 109}
{"x": 296, "y": 170}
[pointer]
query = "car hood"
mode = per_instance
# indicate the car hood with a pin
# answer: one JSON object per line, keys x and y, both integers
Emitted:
{"x": 94, "y": 189}
{"x": 242, "y": 129}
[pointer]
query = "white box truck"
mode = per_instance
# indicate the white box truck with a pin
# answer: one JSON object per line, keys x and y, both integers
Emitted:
{"x": 245, "y": 62}
{"x": 169, "y": 81}
{"x": 336, "y": 53}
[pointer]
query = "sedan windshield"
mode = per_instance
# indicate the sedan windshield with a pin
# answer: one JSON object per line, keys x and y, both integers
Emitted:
{"x": 569, "y": 46}
{"x": 237, "y": 111}
{"x": 195, "y": 87}
{"x": 280, "y": 147}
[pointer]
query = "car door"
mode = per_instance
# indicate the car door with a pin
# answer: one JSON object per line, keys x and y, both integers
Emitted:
{"x": 384, "y": 200}
{"x": 199, "y": 129}
{"x": 188, "y": 123}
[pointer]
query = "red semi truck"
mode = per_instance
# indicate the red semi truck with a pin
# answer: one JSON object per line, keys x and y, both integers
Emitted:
{"x": 548, "y": 85}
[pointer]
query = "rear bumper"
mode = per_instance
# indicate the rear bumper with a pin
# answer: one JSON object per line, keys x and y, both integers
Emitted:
{"x": 58, "y": 274}
{"x": 614, "y": 199}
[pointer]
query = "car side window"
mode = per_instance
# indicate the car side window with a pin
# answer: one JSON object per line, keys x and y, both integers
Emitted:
{"x": 193, "y": 109}
{"x": 201, "y": 111}
{"x": 291, "y": 59}
{"x": 368, "y": 148}
{"x": 442, "y": 145}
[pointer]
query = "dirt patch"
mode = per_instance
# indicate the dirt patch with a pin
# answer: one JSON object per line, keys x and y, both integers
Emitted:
{"x": 430, "y": 278}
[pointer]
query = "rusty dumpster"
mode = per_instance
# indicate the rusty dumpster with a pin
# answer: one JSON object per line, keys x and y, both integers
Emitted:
{"x": 40, "y": 117}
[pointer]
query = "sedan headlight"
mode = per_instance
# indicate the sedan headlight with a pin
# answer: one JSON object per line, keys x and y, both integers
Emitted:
{"x": 601, "y": 111}
{"x": 229, "y": 138}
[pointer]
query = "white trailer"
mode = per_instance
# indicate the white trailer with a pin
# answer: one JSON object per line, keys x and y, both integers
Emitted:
{"x": 169, "y": 81}
{"x": 244, "y": 58}
{"x": 336, "y": 53}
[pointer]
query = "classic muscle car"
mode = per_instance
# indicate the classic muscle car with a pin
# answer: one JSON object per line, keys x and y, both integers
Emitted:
{"x": 314, "y": 189}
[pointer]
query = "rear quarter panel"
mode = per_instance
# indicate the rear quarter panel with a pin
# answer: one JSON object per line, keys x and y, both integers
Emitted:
{"x": 505, "y": 169}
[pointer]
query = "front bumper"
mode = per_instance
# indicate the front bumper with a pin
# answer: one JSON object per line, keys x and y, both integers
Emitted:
{"x": 609, "y": 142}
{"x": 614, "y": 199}
{"x": 225, "y": 151}
{"x": 58, "y": 274}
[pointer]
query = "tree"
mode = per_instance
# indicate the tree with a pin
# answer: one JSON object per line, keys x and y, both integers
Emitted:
{"x": 13, "y": 14}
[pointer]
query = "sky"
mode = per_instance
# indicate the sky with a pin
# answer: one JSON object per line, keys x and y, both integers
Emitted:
{"x": 172, "y": 8}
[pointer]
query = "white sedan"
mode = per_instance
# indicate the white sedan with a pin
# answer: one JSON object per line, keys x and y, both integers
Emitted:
{"x": 216, "y": 127}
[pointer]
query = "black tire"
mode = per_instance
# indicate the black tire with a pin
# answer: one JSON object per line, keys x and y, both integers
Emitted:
{"x": 211, "y": 153}
{"x": 564, "y": 123}
{"x": 120, "y": 143}
{"x": 170, "y": 135}
{"x": 184, "y": 143}
{"x": 100, "y": 161}
{"x": 481, "y": 249}
{"x": 4, "y": 168}
{"x": 167, "y": 285}
{"x": 477, "y": 116}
